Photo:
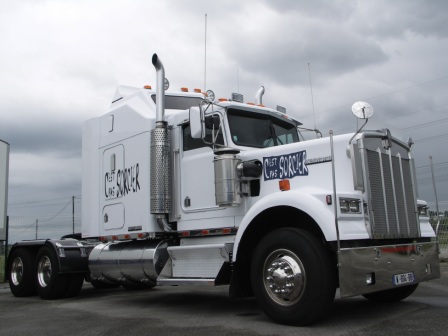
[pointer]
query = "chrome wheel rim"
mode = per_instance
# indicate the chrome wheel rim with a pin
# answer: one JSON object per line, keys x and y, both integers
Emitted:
{"x": 284, "y": 277}
{"x": 17, "y": 271}
{"x": 44, "y": 271}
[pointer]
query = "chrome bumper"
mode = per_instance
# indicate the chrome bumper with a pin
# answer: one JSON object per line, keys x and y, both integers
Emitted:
{"x": 372, "y": 269}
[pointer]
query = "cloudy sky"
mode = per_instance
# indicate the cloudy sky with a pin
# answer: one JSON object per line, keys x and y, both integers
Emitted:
{"x": 61, "y": 61}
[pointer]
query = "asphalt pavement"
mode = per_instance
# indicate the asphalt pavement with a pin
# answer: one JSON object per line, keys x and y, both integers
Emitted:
{"x": 209, "y": 311}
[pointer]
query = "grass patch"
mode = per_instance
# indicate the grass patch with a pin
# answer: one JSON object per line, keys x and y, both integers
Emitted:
{"x": 2, "y": 268}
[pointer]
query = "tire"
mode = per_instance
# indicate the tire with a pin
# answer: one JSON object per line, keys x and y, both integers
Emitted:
{"x": 50, "y": 284}
{"x": 21, "y": 273}
{"x": 293, "y": 277}
{"x": 75, "y": 282}
{"x": 391, "y": 295}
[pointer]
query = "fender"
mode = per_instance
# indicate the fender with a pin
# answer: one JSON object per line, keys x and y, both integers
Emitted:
{"x": 72, "y": 254}
{"x": 313, "y": 203}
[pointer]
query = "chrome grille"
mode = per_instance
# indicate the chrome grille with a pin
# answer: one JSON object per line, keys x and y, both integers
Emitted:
{"x": 392, "y": 201}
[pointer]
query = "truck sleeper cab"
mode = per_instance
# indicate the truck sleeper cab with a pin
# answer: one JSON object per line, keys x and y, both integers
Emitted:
{"x": 224, "y": 193}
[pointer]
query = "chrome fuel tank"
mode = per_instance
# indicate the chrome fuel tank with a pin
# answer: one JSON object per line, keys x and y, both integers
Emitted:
{"x": 132, "y": 262}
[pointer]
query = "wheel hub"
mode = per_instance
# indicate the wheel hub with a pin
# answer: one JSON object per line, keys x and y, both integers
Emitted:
{"x": 17, "y": 271}
{"x": 284, "y": 277}
{"x": 44, "y": 271}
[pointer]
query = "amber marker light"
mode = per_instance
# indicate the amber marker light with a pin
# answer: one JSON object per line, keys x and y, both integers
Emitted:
{"x": 284, "y": 185}
{"x": 184, "y": 89}
{"x": 147, "y": 87}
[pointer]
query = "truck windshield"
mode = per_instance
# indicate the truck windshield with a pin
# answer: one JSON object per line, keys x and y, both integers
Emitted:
{"x": 179, "y": 102}
{"x": 259, "y": 130}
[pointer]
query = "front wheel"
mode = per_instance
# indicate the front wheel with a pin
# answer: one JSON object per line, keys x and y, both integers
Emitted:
{"x": 293, "y": 277}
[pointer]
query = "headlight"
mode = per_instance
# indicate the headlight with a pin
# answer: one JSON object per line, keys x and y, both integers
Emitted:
{"x": 422, "y": 210}
{"x": 350, "y": 205}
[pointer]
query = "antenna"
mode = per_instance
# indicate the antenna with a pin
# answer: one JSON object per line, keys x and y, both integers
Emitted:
{"x": 237, "y": 80}
{"x": 205, "y": 54}
{"x": 312, "y": 98}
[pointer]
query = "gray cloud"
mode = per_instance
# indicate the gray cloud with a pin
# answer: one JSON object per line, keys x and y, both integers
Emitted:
{"x": 333, "y": 11}
{"x": 61, "y": 62}
{"x": 44, "y": 137}
{"x": 386, "y": 19}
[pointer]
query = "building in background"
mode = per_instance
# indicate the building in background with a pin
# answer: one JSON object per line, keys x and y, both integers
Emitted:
{"x": 4, "y": 169}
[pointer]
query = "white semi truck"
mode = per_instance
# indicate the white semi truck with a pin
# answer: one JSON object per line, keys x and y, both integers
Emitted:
{"x": 181, "y": 189}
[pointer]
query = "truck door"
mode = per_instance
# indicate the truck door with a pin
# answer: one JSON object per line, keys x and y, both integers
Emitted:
{"x": 113, "y": 209}
{"x": 197, "y": 203}
{"x": 197, "y": 173}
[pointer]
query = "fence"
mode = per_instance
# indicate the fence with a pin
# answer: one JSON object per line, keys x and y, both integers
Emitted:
{"x": 29, "y": 228}
{"x": 442, "y": 220}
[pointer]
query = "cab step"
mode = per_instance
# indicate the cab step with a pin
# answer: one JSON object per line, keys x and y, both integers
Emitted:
{"x": 194, "y": 264}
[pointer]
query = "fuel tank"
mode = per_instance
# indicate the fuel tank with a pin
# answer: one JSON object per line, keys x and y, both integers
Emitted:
{"x": 130, "y": 262}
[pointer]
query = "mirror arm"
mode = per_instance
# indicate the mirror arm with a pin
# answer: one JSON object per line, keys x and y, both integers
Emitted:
{"x": 357, "y": 132}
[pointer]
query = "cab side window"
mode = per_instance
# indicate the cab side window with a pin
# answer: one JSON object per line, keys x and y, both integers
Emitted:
{"x": 189, "y": 143}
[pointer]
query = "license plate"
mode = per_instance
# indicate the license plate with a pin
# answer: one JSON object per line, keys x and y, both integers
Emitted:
{"x": 404, "y": 278}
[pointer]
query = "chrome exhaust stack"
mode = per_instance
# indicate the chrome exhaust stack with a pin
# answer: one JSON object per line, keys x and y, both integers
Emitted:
{"x": 259, "y": 96}
{"x": 160, "y": 172}
{"x": 160, "y": 92}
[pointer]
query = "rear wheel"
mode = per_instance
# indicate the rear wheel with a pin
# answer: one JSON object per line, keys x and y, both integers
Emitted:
{"x": 391, "y": 295}
{"x": 21, "y": 273}
{"x": 293, "y": 277}
{"x": 50, "y": 284}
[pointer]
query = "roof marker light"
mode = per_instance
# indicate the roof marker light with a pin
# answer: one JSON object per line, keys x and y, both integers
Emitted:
{"x": 184, "y": 89}
{"x": 147, "y": 87}
{"x": 223, "y": 99}
{"x": 197, "y": 90}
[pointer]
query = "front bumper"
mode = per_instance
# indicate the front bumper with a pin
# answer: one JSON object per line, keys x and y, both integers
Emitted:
{"x": 372, "y": 269}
